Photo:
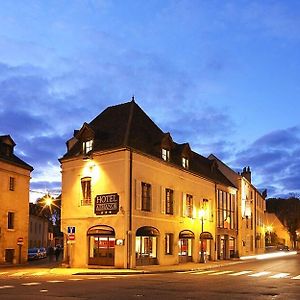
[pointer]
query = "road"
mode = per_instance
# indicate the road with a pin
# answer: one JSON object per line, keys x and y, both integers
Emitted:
{"x": 262, "y": 279}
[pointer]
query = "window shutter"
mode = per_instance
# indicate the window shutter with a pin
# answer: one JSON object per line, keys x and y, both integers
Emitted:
{"x": 162, "y": 200}
{"x": 138, "y": 195}
{"x": 183, "y": 205}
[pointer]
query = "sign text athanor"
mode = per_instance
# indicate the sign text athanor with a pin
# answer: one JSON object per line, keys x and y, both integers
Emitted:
{"x": 107, "y": 204}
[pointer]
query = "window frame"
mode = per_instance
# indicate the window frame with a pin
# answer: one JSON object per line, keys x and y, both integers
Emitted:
{"x": 185, "y": 162}
{"x": 165, "y": 154}
{"x": 189, "y": 205}
{"x": 169, "y": 204}
{"x": 169, "y": 243}
{"x": 146, "y": 196}
{"x": 10, "y": 220}
{"x": 87, "y": 146}
{"x": 86, "y": 190}
{"x": 12, "y": 183}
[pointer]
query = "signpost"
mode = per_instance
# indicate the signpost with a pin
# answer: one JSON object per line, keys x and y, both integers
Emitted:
{"x": 20, "y": 243}
{"x": 107, "y": 204}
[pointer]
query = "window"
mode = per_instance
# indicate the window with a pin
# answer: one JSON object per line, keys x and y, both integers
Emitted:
{"x": 86, "y": 191}
{"x": 169, "y": 238}
{"x": 189, "y": 206}
{"x": 165, "y": 154}
{"x": 169, "y": 202}
{"x": 11, "y": 183}
{"x": 146, "y": 196}
{"x": 10, "y": 220}
{"x": 226, "y": 210}
{"x": 185, "y": 162}
{"x": 87, "y": 146}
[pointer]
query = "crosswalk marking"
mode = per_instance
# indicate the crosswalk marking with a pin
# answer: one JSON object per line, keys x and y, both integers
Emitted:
{"x": 259, "y": 274}
{"x": 55, "y": 281}
{"x": 297, "y": 277}
{"x": 203, "y": 272}
{"x": 3, "y": 273}
{"x": 31, "y": 283}
{"x": 240, "y": 273}
{"x": 280, "y": 275}
{"x": 6, "y": 287}
{"x": 39, "y": 273}
{"x": 220, "y": 273}
{"x": 18, "y": 274}
{"x": 75, "y": 279}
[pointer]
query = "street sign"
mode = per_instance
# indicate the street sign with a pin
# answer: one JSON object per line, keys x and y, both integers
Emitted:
{"x": 71, "y": 230}
{"x": 20, "y": 241}
{"x": 71, "y": 237}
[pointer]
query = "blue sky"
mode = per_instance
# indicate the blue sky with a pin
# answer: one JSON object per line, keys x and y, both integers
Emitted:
{"x": 221, "y": 75}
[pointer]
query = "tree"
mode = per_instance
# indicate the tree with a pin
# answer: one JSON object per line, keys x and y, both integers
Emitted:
{"x": 288, "y": 212}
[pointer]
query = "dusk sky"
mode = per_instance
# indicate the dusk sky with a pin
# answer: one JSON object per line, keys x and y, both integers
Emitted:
{"x": 223, "y": 76}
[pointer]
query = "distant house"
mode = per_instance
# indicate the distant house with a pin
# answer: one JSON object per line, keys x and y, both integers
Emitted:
{"x": 40, "y": 231}
{"x": 276, "y": 233}
{"x": 14, "y": 199}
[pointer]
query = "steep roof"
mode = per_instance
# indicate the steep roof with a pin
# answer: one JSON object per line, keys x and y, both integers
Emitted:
{"x": 127, "y": 125}
{"x": 7, "y": 155}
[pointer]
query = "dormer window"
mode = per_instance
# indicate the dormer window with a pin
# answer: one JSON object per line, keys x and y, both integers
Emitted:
{"x": 87, "y": 146}
{"x": 185, "y": 162}
{"x": 165, "y": 154}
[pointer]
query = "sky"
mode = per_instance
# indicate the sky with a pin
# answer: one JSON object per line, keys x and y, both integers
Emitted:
{"x": 221, "y": 75}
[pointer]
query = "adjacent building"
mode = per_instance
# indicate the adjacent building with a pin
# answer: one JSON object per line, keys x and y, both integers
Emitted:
{"x": 133, "y": 196}
{"x": 250, "y": 210}
{"x": 14, "y": 198}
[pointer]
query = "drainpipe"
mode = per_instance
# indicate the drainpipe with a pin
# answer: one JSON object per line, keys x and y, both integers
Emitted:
{"x": 129, "y": 233}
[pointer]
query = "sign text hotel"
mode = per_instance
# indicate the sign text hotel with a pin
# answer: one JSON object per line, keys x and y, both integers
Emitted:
{"x": 107, "y": 204}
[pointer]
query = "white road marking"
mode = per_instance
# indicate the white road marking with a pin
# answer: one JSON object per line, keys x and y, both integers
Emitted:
{"x": 3, "y": 273}
{"x": 280, "y": 275}
{"x": 43, "y": 291}
{"x": 240, "y": 273}
{"x": 108, "y": 277}
{"x": 75, "y": 279}
{"x": 18, "y": 274}
{"x": 203, "y": 272}
{"x": 31, "y": 283}
{"x": 6, "y": 287}
{"x": 39, "y": 273}
{"x": 55, "y": 281}
{"x": 259, "y": 274}
{"x": 185, "y": 272}
{"x": 297, "y": 277}
{"x": 220, "y": 273}
{"x": 92, "y": 278}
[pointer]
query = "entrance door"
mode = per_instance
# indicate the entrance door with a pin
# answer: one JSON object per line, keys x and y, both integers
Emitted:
{"x": 9, "y": 255}
{"x": 185, "y": 250}
{"x": 101, "y": 246}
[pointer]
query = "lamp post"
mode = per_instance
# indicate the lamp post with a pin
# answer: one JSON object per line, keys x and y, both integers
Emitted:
{"x": 201, "y": 215}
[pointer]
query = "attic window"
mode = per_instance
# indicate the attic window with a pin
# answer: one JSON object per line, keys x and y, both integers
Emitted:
{"x": 87, "y": 146}
{"x": 185, "y": 162}
{"x": 165, "y": 154}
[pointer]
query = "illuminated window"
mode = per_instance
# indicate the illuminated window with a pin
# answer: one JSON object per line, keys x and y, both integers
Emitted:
{"x": 185, "y": 162}
{"x": 226, "y": 210}
{"x": 169, "y": 202}
{"x": 10, "y": 220}
{"x": 87, "y": 146}
{"x": 169, "y": 238}
{"x": 189, "y": 206}
{"x": 86, "y": 190}
{"x": 11, "y": 183}
{"x": 165, "y": 154}
{"x": 146, "y": 196}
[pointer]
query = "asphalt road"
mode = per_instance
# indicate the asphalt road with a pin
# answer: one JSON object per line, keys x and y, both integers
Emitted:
{"x": 264, "y": 279}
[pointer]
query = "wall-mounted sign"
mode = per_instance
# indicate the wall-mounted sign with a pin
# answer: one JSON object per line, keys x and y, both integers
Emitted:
{"x": 120, "y": 242}
{"x": 107, "y": 204}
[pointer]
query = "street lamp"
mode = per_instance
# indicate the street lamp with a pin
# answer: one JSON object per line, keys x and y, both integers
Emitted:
{"x": 201, "y": 216}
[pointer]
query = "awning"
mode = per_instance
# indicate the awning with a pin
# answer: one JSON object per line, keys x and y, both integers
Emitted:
{"x": 186, "y": 234}
{"x": 101, "y": 230}
{"x": 205, "y": 235}
{"x": 147, "y": 231}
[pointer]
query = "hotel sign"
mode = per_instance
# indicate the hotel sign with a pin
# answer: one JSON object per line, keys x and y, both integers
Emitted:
{"x": 107, "y": 204}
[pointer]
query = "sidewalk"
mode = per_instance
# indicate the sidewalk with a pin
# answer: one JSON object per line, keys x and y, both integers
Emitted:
{"x": 153, "y": 269}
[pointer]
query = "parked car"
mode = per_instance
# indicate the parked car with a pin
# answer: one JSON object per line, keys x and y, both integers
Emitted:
{"x": 33, "y": 253}
{"x": 43, "y": 252}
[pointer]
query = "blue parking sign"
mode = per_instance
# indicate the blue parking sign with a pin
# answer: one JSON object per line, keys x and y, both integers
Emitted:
{"x": 71, "y": 229}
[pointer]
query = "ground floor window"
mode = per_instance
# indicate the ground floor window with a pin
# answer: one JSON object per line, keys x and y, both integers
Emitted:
{"x": 101, "y": 246}
{"x": 146, "y": 242}
{"x": 169, "y": 241}
{"x": 9, "y": 255}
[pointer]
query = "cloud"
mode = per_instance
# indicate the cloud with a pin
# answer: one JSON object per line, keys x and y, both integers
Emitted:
{"x": 274, "y": 158}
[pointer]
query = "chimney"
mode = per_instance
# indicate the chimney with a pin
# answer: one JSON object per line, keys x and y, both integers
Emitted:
{"x": 247, "y": 173}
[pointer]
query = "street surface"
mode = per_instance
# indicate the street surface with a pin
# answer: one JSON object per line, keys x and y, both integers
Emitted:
{"x": 277, "y": 278}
